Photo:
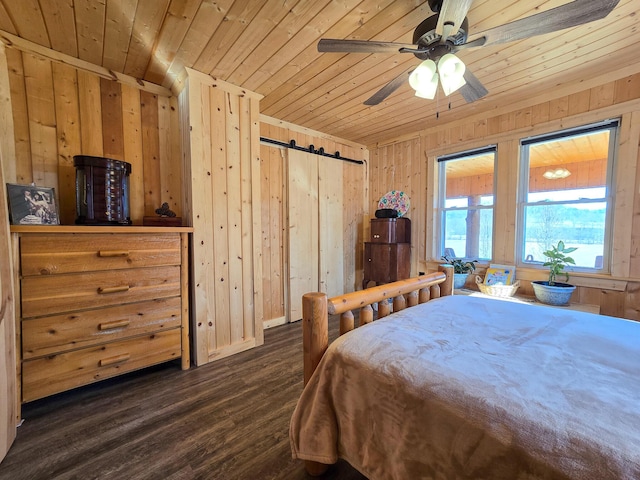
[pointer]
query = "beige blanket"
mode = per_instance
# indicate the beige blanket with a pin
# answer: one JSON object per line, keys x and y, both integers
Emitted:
{"x": 476, "y": 388}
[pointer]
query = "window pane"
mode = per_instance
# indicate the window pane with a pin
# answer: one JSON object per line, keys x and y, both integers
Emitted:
{"x": 575, "y": 165}
{"x": 470, "y": 179}
{"x": 581, "y": 226}
{"x": 468, "y": 233}
{"x": 565, "y": 196}
{"x": 466, "y": 199}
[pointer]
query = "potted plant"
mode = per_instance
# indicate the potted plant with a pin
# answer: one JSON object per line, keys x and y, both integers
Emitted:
{"x": 550, "y": 291}
{"x": 461, "y": 269}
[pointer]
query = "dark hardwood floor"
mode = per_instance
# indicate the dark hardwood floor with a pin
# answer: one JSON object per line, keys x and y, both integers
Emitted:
{"x": 225, "y": 420}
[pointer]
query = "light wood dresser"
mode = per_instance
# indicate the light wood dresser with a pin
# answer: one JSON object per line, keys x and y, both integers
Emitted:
{"x": 96, "y": 302}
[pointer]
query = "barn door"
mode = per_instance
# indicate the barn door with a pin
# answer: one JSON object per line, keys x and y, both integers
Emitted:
{"x": 302, "y": 183}
{"x": 316, "y": 231}
{"x": 8, "y": 398}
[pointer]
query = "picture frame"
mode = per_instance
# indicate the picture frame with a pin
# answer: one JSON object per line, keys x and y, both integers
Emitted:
{"x": 32, "y": 205}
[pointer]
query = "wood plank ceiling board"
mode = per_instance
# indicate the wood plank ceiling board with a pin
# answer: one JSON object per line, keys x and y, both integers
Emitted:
{"x": 60, "y": 24}
{"x": 270, "y": 47}
{"x": 28, "y": 20}
{"x": 302, "y": 51}
{"x": 296, "y": 18}
{"x": 147, "y": 24}
{"x": 319, "y": 75}
{"x": 257, "y": 30}
{"x": 89, "y": 18}
{"x": 226, "y": 35}
{"x": 206, "y": 21}
{"x": 172, "y": 33}
{"x": 5, "y": 21}
{"x": 117, "y": 34}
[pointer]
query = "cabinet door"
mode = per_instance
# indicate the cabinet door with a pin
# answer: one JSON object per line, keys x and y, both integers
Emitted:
{"x": 381, "y": 262}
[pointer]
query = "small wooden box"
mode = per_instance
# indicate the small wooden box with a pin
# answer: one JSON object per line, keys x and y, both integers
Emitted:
{"x": 156, "y": 221}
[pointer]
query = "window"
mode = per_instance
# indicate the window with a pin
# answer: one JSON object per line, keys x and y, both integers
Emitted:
{"x": 565, "y": 194}
{"x": 466, "y": 204}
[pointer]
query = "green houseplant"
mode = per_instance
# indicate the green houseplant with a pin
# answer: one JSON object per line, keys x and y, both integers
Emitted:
{"x": 551, "y": 291}
{"x": 461, "y": 269}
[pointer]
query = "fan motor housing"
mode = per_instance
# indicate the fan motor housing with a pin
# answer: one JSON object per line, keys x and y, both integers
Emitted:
{"x": 425, "y": 37}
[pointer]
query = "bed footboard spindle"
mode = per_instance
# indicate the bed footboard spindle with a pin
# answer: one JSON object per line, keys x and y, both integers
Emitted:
{"x": 383, "y": 308}
{"x": 346, "y": 322}
{"x": 412, "y": 299}
{"x": 399, "y": 303}
{"x": 366, "y": 315}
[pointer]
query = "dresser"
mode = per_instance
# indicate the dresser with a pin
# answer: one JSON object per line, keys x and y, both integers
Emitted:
{"x": 387, "y": 256}
{"x": 96, "y": 302}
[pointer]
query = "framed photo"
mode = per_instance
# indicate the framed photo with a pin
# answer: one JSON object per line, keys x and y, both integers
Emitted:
{"x": 32, "y": 205}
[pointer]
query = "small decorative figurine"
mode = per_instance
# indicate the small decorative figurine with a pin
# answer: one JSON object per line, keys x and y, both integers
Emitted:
{"x": 165, "y": 211}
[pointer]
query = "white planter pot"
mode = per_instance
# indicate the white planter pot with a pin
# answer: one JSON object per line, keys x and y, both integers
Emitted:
{"x": 459, "y": 279}
{"x": 557, "y": 294}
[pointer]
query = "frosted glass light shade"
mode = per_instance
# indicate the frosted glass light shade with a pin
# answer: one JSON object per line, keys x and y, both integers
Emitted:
{"x": 451, "y": 70}
{"x": 424, "y": 80}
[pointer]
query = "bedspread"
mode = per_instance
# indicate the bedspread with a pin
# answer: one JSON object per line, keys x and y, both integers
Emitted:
{"x": 475, "y": 388}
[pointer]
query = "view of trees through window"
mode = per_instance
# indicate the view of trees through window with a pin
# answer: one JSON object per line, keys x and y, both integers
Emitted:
{"x": 577, "y": 227}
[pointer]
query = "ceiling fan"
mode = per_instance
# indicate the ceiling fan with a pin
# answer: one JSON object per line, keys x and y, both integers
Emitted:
{"x": 440, "y": 36}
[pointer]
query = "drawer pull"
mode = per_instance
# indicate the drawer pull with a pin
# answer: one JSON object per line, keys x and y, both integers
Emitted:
{"x": 121, "y": 288}
{"x": 114, "y": 324}
{"x": 113, "y": 253}
{"x": 105, "y": 362}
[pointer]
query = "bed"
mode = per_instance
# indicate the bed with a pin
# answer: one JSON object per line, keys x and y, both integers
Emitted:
{"x": 461, "y": 387}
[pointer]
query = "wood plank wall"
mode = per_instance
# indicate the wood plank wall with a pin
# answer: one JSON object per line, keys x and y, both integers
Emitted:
{"x": 408, "y": 164}
{"x": 355, "y": 215}
{"x": 223, "y": 195}
{"x": 60, "y": 110}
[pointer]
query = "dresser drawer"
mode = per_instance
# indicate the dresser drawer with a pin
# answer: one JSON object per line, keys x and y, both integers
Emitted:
{"x": 56, "y": 373}
{"x": 50, "y": 254}
{"x": 70, "y": 331}
{"x": 53, "y": 294}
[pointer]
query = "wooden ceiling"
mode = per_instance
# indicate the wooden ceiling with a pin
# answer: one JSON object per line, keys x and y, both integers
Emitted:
{"x": 269, "y": 47}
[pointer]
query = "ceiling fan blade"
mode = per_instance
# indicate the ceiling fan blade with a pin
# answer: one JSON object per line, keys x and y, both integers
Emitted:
{"x": 388, "y": 89}
{"x": 569, "y": 15}
{"x": 452, "y": 14}
{"x": 360, "y": 46}
{"x": 473, "y": 90}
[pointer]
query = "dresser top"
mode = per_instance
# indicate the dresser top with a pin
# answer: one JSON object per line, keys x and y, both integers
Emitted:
{"x": 95, "y": 229}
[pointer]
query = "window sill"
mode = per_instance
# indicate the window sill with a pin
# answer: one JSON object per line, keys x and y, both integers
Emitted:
{"x": 581, "y": 307}
{"x": 579, "y": 279}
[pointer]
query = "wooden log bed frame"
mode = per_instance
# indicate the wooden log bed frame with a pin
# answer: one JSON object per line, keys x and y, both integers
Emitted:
{"x": 317, "y": 307}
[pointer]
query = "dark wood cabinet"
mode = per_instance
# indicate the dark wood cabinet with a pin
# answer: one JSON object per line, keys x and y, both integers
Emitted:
{"x": 387, "y": 257}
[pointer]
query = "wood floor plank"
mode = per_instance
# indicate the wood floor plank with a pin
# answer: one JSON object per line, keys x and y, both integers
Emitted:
{"x": 226, "y": 420}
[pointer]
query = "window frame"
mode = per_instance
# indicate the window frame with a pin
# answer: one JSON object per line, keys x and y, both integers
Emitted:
{"x": 613, "y": 125}
{"x": 441, "y": 161}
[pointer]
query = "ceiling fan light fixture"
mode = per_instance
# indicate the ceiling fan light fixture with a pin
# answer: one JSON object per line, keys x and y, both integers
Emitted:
{"x": 556, "y": 174}
{"x": 451, "y": 70}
